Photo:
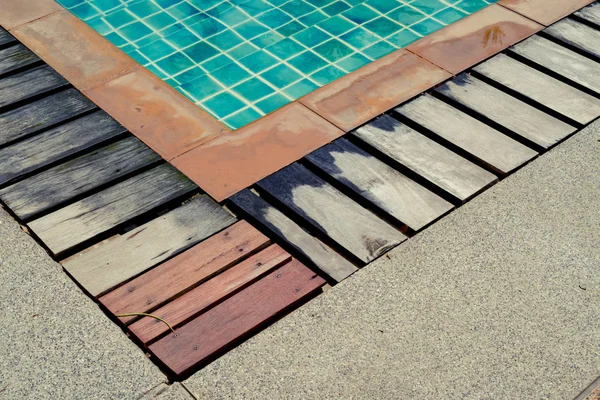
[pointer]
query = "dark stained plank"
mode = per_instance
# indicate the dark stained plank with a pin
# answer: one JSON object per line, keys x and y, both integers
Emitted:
{"x": 577, "y": 35}
{"x": 497, "y": 151}
{"x": 590, "y": 13}
{"x": 53, "y": 187}
{"x": 426, "y": 158}
{"x": 326, "y": 259}
{"x": 399, "y": 196}
{"x": 184, "y": 271}
{"x": 236, "y": 317}
{"x": 41, "y": 114}
{"x": 6, "y": 38}
{"x": 120, "y": 258}
{"x": 521, "y": 118}
{"x": 15, "y": 57}
{"x": 541, "y": 88}
{"x": 55, "y": 144}
{"x": 94, "y": 215}
{"x": 199, "y": 299}
{"x": 356, "y": 229}
{"x": 27, "y": 84}
{"x": 560, "y": 60}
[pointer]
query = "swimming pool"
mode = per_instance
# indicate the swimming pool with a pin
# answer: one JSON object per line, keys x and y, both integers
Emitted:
{"x": 242, "y": 59}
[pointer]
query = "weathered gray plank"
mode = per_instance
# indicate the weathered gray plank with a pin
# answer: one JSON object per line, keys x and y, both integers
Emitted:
{"x": 357, "y": 230}
{"x": 15, "y": 57}
{"x": 41, "y": 114}
{"x": 519, "y": 117}
{"x": 94, "y": 215}
{"x": 542, "y": 88}
{"x": 6, "y": 38}
{"x": 399, "y": 196}
{"x": 560, "y": 60}
{"x": 27, "y": 84}
{"x": 330, "y": 262}
{"x": 496, "y": 150}
{"x": 122, "y": 257}
{"x": 590, "y": 13}
{"x": 57, "y": 185}
{"x": 577, "y": 35}
{"x": 434, "y": 162}
{"x": 40, "y": 150}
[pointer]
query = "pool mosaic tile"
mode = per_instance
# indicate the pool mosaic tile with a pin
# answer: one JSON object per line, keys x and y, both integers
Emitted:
{"x": 242, "y": 59}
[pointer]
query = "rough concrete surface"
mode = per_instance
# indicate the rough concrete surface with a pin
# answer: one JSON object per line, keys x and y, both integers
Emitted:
{"x": 176, "y": 391}
{"x": 55, "y": 343}
{"x": 499, "y": 300}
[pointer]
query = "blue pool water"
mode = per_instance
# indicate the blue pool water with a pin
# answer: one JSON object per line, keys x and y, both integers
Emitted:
{"x": 242, "y": 59}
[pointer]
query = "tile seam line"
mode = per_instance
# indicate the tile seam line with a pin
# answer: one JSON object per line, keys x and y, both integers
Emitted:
{"x": 37, "y": 19}
{"x": 531, "y": 19}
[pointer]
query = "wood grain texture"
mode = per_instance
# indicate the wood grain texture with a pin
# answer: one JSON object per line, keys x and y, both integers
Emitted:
{"x": 107, "y": 264}
{"x": 561, "y": 60}
{"x": 53, "y": 187}
{"x": 357, "y": 230}
{"x": 55, "y": 144}
{"x": 184, "y": 271}
{"x": 94, "y": 215}
{"x": 322, "y": 256}
{"x": 497, "y": 151}
{"x": 236, "y": 317}
{"x": 41, "y": 114}
{"x": 423, "y": 156}
{"x": 6, "y": 38}
{"x": 27, "y": 84}
{"x": 519, "y": 117}
{"x": 542, "y": 88}
{"x": 577, "y": 35}
{"x": 199, "y": 299}
{"x": 590, "y": 13}
{"x": 388, "y": 189}
{"x": 16, "y": 57}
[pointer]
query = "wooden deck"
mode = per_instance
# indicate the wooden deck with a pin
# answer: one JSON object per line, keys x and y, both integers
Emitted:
{"x": 139, "y": 237}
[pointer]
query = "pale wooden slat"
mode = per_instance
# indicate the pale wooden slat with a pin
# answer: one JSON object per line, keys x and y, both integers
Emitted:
{"x": 122, "y": 257}
{"x": 561, "y": 60}
{"x": 55, "y": 144}
{"x": 577, "y": 35}
{"x": 6, "y": 38}
{"x": 357, "y": 230}
{"x": 521, "y": 118}
{"x": 16, "y": 57}
{"x": 53, "y": 187}
{"x": 41, "y": 114}
{"x": 544, "y": 89}
{"x": 496, "y": 150}
{"x": 426, "y": 158}
{"x": 326, "y": 259}
{"x": 399, "y": 196}
{"x": 87, "y": 218}
{"x": 590, "y": 13}
{"x": 24, "y": 85}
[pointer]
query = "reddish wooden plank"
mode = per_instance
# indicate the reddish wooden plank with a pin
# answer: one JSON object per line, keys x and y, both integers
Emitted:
{"x": 184, "y": 271}
{"x": 209, "y": 293}
{"x": 236, "y": 317}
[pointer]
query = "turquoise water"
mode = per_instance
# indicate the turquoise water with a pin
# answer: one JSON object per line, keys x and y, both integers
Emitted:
{"x": 242, "y": 59}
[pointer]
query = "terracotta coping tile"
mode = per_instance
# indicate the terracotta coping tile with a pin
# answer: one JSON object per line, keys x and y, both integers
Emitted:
{"x": 74, "y": 49}
{"x": 14, "y": 13}
{"x": 362, "y": 95}
{"x": 234, "y": 161}
{"x": 545, "y": 11}
{"x": 474, "y": 38}
{"x": 155, "y": 112}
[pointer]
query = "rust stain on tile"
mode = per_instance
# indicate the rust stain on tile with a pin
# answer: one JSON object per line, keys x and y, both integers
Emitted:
{"x": 374, "y": 89}
{"x": 73, "y": 49}
{"x": 155, "y": 112}
{"x": 545, "y": 11}
{"x": 474, "y": 38}
{"x": 232, "y": 162}
{"x": 14, "y": 13}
